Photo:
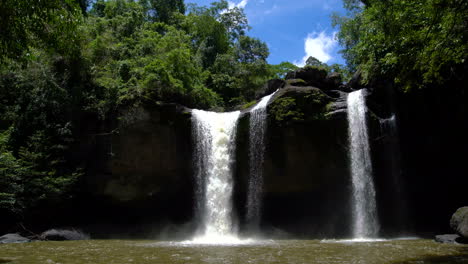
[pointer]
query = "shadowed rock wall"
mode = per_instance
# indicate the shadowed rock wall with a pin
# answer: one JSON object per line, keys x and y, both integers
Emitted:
{"x": 306, "y": 177}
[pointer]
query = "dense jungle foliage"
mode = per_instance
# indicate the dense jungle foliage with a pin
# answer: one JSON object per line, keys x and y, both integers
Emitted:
{"x": 63, "y": 61}
{"x": 414, "y": 44}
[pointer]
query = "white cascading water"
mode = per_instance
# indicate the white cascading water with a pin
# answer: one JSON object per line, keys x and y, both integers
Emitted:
{"x": 364, "y": 203}
{"x": 214, "y": 134}
{"x": 257, "y": 131}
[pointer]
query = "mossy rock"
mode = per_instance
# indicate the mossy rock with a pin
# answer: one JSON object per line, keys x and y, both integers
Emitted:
{"x": 313, "y": 76}
{"x": 296, "y": 82}
{"x": 249, "y": 104}
{"x": 300, "y": 105}
{"x": 459, "y": 221}
{"x": 285, "y": 110}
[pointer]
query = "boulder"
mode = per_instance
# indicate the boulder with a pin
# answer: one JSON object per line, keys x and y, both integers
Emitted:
{"x": 313, "y": 76}
{"x": 293, "y": 103}
{"x": 296, "y": 82}
{"x": 338, "y": 108}
{"x": 334, "y": 80}
{"x": 270, "y": 87}
{"x": 459, "y": 221}
{"x": 63, "y": 234}
{"x": 356, "y": 81}
{"x": 13, "y": 238}
{"x": 345, "y": 88}
{"x": 447, "y": 238}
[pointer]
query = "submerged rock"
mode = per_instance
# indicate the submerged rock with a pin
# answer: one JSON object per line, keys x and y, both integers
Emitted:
{"x": 63, "y": 234}
{"x": 459, "y": 221}
{"x": 13, "y": 238}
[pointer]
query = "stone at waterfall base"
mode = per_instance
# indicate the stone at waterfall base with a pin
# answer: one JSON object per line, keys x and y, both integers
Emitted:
{"x": 450, "y": 239}
{"x": 13, "y": 238}
{"x": 63, "y": 235}
{"x": 459, "y": 221}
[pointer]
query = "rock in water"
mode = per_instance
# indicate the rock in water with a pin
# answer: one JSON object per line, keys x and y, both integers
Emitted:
{"x": 447, "y": 238}
{"x": 63, "y": 234}
{"x": 13, "y": 238}
{"x": 459, "y": 221}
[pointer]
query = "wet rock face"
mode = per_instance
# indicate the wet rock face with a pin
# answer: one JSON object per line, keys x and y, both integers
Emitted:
{"x": 459, "y": 221}
{"x": 305, "y": 168}
{"x": 151, "y": 154}
{"x": 143, "y": 173}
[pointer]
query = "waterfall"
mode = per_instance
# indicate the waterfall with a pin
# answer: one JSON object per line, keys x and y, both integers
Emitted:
{"x": 214, "y": 135}
{"x": 257, "y": 129}
{"x": 399, "y": 210}
{"x": 364, "y": 204}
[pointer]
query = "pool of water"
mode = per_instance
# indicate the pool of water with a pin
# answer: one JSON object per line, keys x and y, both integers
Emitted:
{"x": 414, "y": 251}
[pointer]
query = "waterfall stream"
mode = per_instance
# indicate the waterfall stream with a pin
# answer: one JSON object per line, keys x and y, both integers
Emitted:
{"x": 214, "y": 135}
{"x": 365, "y": 222}
{"x": 257, "y": 129}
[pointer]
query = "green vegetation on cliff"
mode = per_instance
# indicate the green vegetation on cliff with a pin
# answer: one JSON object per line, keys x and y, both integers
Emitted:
{"x": 301, "y": 104}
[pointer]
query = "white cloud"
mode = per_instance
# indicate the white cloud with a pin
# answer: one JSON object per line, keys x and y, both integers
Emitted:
{"x": 319, "y": 45}
{"x": 241, "y": 4}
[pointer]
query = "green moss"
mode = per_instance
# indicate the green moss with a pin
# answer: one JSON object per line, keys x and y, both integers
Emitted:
{"x": 306, "y": 106}
{"x": 249, "y": 104}
{"x": 328, "y": 107}
{"x": 296, "y": 82}
{"x": 316, "y": 97}
{"x": 322, "y": 68}
{"x": 284, "y": 110}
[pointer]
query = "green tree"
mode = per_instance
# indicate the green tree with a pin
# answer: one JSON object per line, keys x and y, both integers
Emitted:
{"x": 26, "y": 24}
{"x": 209, "y": 38}
{"x": 235, "y": 21}
{"x": 280, "y": 70}
{"x": 413, "y": 43}
{"x": 312, "y": 61}
{"x": 249, "y": 50}
{"x": 163, "y": 10}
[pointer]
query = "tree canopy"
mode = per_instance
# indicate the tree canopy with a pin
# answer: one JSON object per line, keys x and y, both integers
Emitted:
{"x": 63, "y": 61}
{"x": 412, "y": 43}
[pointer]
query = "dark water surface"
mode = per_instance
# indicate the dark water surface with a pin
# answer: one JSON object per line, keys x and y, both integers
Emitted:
{"x": 269, "y": 251}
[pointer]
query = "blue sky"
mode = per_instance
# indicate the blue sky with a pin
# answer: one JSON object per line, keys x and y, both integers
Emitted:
{"x": 293, "y": 29}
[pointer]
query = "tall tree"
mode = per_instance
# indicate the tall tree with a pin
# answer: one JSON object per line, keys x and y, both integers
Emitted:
{"x": 163, "y": 10}
{"x": 249, "y": 50}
